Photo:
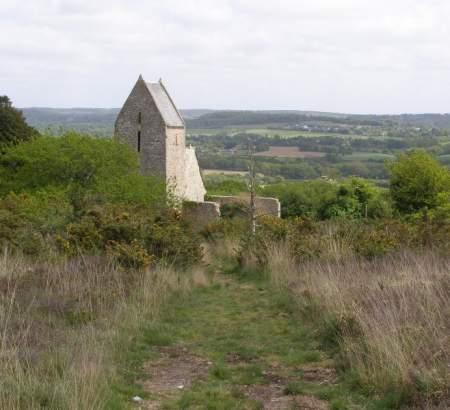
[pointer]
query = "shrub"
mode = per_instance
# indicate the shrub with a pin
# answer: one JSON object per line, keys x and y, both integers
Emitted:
{"x": 87, "y": 194}
{"x": 72, "y": 161}
{"x": 225, "y": 185}
{"x": 417, "y": 181}
{"x": 27, "y": 220}
{"x": 13, "y": 127}
{"x": 301, "y": 199}
{"x": 354, "y": 198}
{"x": 133, "y": 233}
{"x": 169, "y": 237}
{"x": 130, "y": 255}
{"x": 383, "y": 238}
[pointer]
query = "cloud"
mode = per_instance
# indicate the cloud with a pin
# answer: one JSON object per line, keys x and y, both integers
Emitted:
{"x": 351, "y": 55}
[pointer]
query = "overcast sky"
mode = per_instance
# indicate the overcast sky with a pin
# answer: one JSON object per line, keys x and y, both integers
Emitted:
{"x": 361, "y": 56}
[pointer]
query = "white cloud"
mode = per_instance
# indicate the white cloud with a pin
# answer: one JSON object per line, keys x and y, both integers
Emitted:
{"x": 351, "y": 55}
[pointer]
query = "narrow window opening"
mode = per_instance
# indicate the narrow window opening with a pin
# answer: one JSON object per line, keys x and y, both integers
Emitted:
{"x": 139, "y": 141}
{"x": 140, "y": 118}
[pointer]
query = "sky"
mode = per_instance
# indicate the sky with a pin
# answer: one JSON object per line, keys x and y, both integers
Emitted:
{"x": 354, "y": 56}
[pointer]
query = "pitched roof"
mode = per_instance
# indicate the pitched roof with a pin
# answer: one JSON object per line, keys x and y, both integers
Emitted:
{"x": 166, "y": 107}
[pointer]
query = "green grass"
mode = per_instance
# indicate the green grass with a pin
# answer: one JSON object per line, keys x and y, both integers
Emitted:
{"x": 246, "y": 330}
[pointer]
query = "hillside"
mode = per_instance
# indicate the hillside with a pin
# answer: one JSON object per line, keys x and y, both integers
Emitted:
{"x": 103, "y": 118}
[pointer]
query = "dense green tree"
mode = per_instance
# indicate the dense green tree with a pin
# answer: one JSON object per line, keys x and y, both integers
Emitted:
{"x": 320, "y": 199}
{"x": 13, "y": 127}
{"x": 301, "y": 198}
{"x": 85, "y": 167}
{"x": 417, "y": 182}
{"x": 356, "y": 198}
{"x": 218, "y": 185}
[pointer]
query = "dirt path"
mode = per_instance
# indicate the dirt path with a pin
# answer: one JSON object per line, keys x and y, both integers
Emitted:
{"x": 235, "y": 345}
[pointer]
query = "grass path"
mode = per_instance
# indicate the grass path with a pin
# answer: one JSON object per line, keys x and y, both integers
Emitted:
{"x": 236, "y": 345}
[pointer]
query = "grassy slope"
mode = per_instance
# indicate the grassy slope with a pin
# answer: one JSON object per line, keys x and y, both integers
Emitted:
{"x": 255, "y": 326}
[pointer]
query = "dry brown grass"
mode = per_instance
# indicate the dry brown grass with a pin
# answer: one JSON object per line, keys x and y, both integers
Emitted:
{"x": 391, "y": 315}
{"x": 227, "y": 247}
{"x": 62, "y": 326}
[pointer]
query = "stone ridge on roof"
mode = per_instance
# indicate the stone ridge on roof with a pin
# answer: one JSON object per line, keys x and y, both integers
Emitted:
{"x": 165, "y": 105}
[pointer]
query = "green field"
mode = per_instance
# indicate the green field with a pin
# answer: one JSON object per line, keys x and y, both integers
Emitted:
{"x": 368, "y": 156}
{"x": 266, "y": 132}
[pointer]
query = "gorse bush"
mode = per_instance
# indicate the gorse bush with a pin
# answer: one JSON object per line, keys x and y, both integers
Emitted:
{"x": 27, "y": 220}
{"x": 78, "y": 194}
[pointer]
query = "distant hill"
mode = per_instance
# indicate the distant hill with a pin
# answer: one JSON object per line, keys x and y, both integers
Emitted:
{"x": 222, "y": 119}
{"x": 101, "y": 120}
{"x": 94, "y": 120}
{"x": 44, "y": 117}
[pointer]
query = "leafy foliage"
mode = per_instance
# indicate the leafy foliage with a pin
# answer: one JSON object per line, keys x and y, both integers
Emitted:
{"x": 78, "y": 194}
{"x": 72, "y": 160}
{"x": 355, "y": 198}
{"x": 301, "y": 199}
{"x": 13, "y": 127}
{"x": 217, "y": 185}
{"x": 417, "y": 182}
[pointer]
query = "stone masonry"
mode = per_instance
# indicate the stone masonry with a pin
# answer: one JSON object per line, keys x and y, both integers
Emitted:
{"x": 150, "y": 123}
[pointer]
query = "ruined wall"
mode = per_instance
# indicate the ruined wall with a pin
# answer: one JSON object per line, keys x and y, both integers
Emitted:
{"x": 176, "y": 161}
{"x": 194, "y": 189}
{"x": 264, "y": 206}
{"x": 153, "y": 130}
{"x": 201, "y": 214}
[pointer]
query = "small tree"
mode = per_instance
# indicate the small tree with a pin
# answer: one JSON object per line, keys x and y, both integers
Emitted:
{"x": 417, "y": 181}
{"x": 13, "y": 127}
{"x": 252, "y": 186}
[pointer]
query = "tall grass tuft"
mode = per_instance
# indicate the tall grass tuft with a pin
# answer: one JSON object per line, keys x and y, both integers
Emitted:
{"x": 64, "y": 327}
{"x": 389, "y": 316}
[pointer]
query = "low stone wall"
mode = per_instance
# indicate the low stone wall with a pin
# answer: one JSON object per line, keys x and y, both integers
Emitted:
{"x": 200, "y": 214}
{"x": 264, "y": 206}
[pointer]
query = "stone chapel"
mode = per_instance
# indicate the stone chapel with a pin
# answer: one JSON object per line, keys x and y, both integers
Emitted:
{"x": 151, "y": 124}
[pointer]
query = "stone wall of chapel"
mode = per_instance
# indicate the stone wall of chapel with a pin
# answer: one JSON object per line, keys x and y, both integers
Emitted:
{"x": 151, "y": 126}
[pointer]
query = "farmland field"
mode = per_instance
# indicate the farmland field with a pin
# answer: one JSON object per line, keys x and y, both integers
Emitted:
{"x": 207, "y": 172}
{"x": 266, "y": 132}
{"x": 368, "y": 156}
{"x": 290, "y": 152}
